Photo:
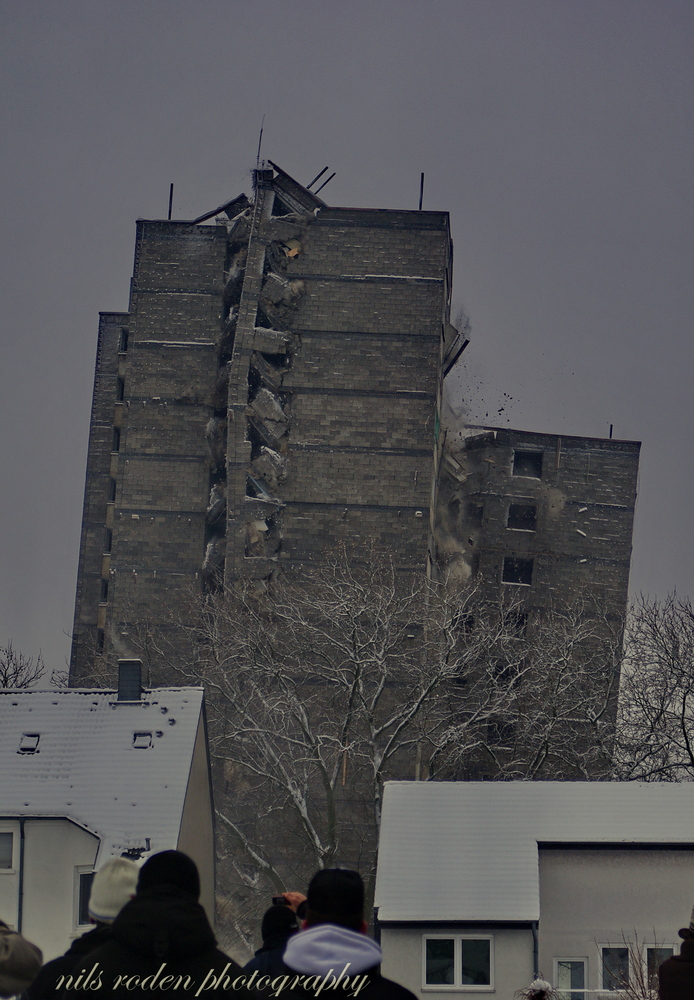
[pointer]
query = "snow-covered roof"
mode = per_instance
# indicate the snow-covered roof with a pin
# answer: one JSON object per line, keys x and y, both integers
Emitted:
{"x": 468, "y": 851}
{"x": 91, "y": 766}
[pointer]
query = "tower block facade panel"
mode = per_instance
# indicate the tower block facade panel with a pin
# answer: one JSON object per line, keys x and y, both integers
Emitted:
{"x": 270, "y": 396}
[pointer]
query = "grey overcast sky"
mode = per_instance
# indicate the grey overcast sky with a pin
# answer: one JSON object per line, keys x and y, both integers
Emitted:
{"x": 557, "y": 133}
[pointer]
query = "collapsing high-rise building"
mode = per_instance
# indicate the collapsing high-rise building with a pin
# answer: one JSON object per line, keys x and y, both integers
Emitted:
{"x": 271, "y": 394}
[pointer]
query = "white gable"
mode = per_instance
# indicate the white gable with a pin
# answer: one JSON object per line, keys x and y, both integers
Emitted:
{"x": 467, "y": 851}
{"x": 119, "y": 769}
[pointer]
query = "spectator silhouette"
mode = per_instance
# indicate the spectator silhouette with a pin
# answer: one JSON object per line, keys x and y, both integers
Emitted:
{"x": 676, "y": 975}
{"x": 20, "y": 961}
{"x": 112, "y": 887}
{"x": 164, "y": 932}
{"x": 279, "y": 923}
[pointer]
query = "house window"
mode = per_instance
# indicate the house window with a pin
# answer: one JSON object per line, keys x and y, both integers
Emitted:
{"x": 440, "y": 962}
{"x": 522, "y": 517}
{"x": 84, "y": 892}
{"x": 6, "y": 850}
{"x": 615, "y": 968}
{"x": 457, "y": 962}
{"x": 570, "y": 978}
{"x": 142, "y": 741}
{"x": 527, "y": 463}
{"x": 655, "y": 957}
{"x": 517, "y": 571}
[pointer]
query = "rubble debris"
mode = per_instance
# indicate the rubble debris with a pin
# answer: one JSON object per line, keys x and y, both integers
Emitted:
{"x": 279, "y": 298}
{"x": 268, "y": 374}
{"x": 232, "y": 288}
{"x": 216, "y": 434}
{"x": 270, "y": 467}
{"x": 269, "y": 341}
{"x": 218, "y": 503}
{"x": 230, "y": 208}
{"x": 219, "y": 393}
{"x": 266, "y": 415}
{"x": 212, "y": 569}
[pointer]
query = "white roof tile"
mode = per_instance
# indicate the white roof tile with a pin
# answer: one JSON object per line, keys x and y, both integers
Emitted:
{"x": 467, "y": 851}
{"x": 86, "y": 767}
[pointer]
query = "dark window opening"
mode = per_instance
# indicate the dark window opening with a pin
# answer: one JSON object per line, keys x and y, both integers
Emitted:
{"x": 5, "y": 850}
{"x": 517, "y": 571}
{"x": 123, "y": 341}
{"x": 108, "y": 540}
{"x": 104, "y": 591}
{"x": 112, "y": 491}
{"x": 654, "y": 958}
{"x": 527, "y": 463}
{"x": 615, "y": 968}
{"x": 115, "y": 444}
{"x": 475, "y": 513}
{"x": 454, "y": 507}
{"x": 279, "y": 208}
{"x": 120, "y": 390}
{"x": 86, "y": 879}
{"x": 100, "y": 639}
{"x": 522, "y": 517}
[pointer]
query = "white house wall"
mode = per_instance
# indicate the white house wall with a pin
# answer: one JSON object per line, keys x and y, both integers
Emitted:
{"x": 9, "y": 877}
{"x": 593, "y": 897}
{"x": 54, "y": 850}
{"x": 513, "y": 960}
{"x": 196, "y": 836}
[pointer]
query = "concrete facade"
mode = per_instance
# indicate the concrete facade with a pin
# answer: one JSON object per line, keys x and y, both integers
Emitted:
{"x": 270, "y": 394}
{"x": 544, "y": 517}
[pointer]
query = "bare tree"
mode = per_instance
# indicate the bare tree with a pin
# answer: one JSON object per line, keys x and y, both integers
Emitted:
{"x": 18, "y": 670}
{"x": 560, "y": 669}
{"x": 656, "y": 719}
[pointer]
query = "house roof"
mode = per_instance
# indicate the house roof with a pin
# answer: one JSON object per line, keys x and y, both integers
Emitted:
{"x": 468, "y": 851}
{"x": 90, "y": 766}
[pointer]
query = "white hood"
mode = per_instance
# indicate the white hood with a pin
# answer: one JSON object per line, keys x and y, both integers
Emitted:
{"x": 326, "y": 948}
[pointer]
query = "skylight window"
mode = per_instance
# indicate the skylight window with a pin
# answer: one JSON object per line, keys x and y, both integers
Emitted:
{"x": 29, "y": 743}
{"x": 141, "y": 741}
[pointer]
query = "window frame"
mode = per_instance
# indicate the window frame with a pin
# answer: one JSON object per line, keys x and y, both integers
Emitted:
{"x": 79, "y": 871}
{"x": 457, "y": 986}
{"x": 565, "y": 958}
{"x": 660, "y": 945}
{"x": 11, "y": 829}
{"x": 601, "y": 965}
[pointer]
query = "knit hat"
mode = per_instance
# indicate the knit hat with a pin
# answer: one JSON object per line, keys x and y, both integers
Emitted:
{"x": 112, "y": 887}
{"x": 687, "y": 932}
{"x": 336, "y": 894}
{"x": 172, "y": 868}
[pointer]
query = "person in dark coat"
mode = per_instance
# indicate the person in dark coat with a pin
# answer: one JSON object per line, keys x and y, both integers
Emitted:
{"x": 161, "y": 941}
{"x": 112, "y": 887}
{"x": 279, "y": 923}
{"x": 333, "y": 945}
{"x": 20, "y": 961}
{"x": 676, "y": 975}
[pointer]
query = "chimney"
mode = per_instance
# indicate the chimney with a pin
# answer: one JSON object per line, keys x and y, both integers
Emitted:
{"x": 129, "y": 680}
